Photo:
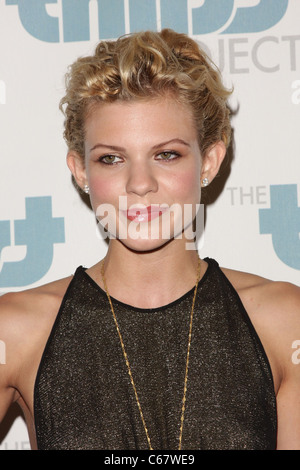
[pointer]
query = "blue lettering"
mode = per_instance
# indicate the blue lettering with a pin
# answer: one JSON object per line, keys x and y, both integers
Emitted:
{"x": 257, "y": 18}
{"x": 174, "y": 15}
{"x": 76, "y": 19}
{"x": 35, "y": 19}
{"x": 4, "y": 234}
{"x": 142, "y": 15}
{"x": 211, "y": 16}
{"x": 111, "y": 18}
{"x": 282, "y": 221}
{"x": 38, "y": 231}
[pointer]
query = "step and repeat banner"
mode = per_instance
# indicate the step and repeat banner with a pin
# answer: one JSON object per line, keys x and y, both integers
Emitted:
{"x": 252, "y": 220}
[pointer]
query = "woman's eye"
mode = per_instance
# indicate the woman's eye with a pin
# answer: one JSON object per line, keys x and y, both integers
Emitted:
{"x": 109, "y": 159}
{"x": 167, "y": 156}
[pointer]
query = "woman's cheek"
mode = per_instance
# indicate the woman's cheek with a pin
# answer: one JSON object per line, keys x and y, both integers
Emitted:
{"x": 188, "y": 188}
{"x": 102, "y": 191}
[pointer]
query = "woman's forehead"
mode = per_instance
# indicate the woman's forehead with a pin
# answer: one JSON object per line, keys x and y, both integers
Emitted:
{"x": 162, "y": 110}
{"x": 151, "y": 120}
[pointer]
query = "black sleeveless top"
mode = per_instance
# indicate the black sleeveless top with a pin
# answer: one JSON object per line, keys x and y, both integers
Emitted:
{"x": 83, "y": 396}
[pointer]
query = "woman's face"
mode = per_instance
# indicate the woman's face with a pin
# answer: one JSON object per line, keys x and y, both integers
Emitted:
{"x": 143, "y": 169}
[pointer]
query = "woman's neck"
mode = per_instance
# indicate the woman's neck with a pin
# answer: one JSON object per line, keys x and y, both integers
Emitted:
{"x": 148, "y": 279}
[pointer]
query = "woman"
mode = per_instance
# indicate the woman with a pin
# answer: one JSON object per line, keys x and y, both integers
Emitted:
{"x": 151, "y": 348}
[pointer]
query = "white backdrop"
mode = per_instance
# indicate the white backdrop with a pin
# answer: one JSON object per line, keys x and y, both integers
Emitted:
{"x": 46, "y": 230}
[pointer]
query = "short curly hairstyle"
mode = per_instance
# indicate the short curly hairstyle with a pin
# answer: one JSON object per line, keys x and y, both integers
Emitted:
{"x": 147, "y": 65}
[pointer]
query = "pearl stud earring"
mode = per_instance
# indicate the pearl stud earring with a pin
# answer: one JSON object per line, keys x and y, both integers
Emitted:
{"x": 205, "y": 182}
{"x": 86, "y": 189}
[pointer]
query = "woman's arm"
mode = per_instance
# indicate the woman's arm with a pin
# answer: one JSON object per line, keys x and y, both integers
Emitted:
{"x": 288, "y": 396}
{"x": 8, "y": 363}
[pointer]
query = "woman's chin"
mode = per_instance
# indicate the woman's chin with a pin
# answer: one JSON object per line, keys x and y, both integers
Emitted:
{"x": 143, "y": 245}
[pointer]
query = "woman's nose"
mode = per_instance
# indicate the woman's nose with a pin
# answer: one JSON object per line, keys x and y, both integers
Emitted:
{"x": 141, "y": 179}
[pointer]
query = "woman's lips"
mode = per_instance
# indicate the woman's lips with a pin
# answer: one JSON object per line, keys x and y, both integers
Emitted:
{"x": 144, "y": 214}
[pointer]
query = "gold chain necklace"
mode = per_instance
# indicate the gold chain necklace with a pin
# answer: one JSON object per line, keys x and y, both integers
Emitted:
{"x": 128, "y": 365}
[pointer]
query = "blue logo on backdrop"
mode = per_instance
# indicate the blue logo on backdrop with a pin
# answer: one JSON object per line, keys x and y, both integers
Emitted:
{"x": 282, "y": 221}
{"x": 212, "y": 16}
{"x": 38, "y": 232}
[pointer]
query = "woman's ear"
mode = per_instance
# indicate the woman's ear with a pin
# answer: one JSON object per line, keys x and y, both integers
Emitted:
{"x": 212, "y": 162}
{"x": 76, "y": 165}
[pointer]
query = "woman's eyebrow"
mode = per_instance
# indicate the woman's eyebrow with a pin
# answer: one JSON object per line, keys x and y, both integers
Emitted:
{"x": 112, "y": 147}
{"x": 155, "y": 147}
{"x": 172, "y": 141}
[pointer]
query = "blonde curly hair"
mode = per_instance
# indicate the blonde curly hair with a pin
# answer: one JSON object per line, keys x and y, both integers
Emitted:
{"x": 147, "y": 65}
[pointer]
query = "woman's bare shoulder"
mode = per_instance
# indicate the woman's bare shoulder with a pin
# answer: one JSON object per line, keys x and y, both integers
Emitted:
{"x": 274, "y": 309}
{"x": 27, "y": 311}
{"x": 26, "y": 319}
{"x": 244, "y": 280}
{"x": 264, "y": 292}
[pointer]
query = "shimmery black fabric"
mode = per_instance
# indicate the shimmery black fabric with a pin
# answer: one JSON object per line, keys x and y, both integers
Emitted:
{"x": 84, "y": 398}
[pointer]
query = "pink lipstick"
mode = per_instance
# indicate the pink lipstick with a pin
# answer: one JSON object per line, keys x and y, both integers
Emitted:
{"x": 144, "y": 214}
